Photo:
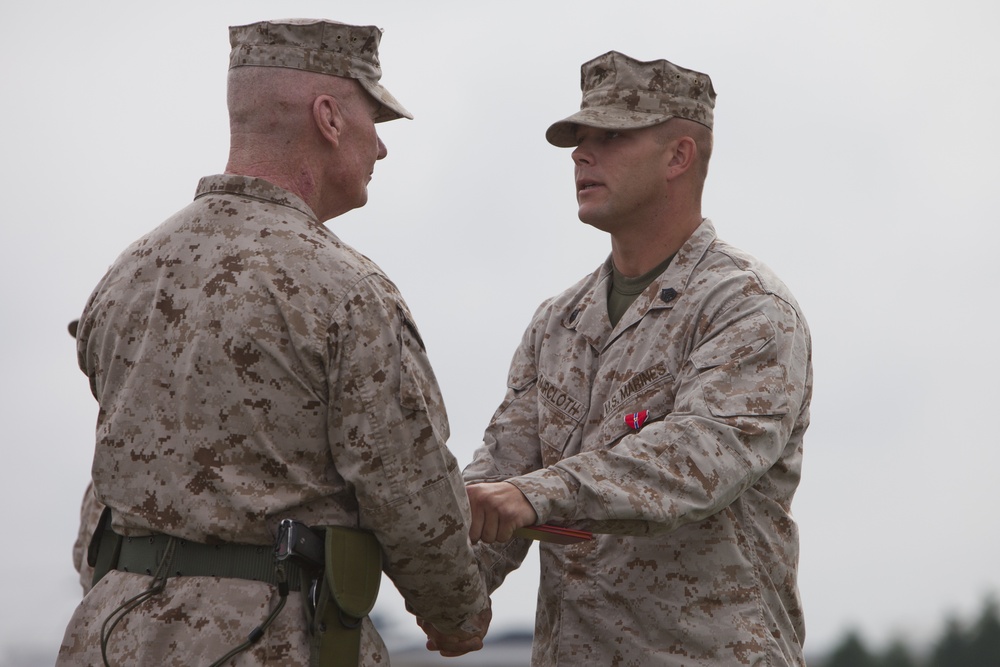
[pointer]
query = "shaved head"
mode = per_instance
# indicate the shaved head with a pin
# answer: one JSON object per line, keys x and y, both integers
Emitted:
{"x": 312, "y": 134}
{"x": 273, "y": 105}
{"x": 676, "y": 128}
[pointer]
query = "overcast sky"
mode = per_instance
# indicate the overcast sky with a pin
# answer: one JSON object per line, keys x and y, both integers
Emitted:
{"x": 856, "y": 153}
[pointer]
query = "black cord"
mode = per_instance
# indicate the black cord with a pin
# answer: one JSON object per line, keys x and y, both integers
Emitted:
{"x": 258, "y": 632}
{"x": 158, "y": 584}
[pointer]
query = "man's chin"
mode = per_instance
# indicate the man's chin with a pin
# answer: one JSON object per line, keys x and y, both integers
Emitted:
{"x": 595, "y": 221}
{"x": 362, "y": 199}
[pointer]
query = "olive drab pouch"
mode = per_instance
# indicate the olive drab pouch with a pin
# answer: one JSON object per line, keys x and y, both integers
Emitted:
{"x": 348, "y": 589}
{"x": 104, "y": 547}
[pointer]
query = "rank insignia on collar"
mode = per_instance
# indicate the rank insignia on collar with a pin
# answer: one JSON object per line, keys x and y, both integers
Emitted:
{"x": 635, "y": 420}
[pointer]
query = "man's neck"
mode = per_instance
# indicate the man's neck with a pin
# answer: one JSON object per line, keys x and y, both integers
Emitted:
{"x": 300, "y": 181}
{"x": 637, "y": 251}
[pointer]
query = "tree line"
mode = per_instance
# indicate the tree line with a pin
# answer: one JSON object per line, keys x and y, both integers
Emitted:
{"x": 959, "y": 644}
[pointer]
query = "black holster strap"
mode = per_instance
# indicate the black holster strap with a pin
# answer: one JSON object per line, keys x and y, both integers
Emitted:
{"x": 142, "y": 555}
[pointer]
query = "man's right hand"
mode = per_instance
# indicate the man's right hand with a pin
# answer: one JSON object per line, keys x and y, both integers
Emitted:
{"x": 498, "y": 509}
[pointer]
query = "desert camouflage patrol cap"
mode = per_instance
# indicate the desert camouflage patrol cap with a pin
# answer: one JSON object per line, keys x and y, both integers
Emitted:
{"x": 622, "y": 93}
{"x": 317, "y": 45}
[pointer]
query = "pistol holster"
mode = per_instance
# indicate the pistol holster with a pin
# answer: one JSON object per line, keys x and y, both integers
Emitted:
{"x": 349, "y": 587}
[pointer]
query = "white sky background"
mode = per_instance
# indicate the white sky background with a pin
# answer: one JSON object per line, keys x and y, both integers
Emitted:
{"x": 856, "y": 153}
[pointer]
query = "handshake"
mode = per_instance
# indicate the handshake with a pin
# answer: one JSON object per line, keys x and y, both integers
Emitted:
{"x": 498, "y": 509}
{"x": 459, "y": 643}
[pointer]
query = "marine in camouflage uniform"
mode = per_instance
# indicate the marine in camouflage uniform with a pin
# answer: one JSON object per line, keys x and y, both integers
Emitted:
{"x": 250, "y": 367}
{"x": 673, "y": 433}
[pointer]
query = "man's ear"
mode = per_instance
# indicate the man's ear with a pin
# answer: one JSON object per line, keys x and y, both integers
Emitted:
{"x": 328, "y": 118}
{"x": 685, "y": 154}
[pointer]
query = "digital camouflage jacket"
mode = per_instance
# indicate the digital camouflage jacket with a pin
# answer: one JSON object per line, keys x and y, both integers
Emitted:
{"x": 251, "y": 367}
{"x": 676, "y": 436}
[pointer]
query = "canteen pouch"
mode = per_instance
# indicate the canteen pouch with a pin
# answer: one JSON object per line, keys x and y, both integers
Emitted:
{"x": 348, "y": 590}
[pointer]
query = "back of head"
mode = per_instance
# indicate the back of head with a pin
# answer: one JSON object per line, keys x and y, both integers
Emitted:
{"x": 273, "y": 104}
{"x": 296, "y": 88}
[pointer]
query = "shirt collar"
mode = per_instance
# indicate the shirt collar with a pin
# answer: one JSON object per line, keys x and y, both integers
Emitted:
{"x": 589, "y": 315}
{"x": 252, "y": 188}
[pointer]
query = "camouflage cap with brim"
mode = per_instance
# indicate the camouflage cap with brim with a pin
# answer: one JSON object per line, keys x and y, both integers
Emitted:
{"x": 622, "y": 93}
{"x": 316, "y": 45}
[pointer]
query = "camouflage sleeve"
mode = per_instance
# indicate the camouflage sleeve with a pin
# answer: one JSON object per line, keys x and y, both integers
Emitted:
{"x": 388, "y": 434}
{"x": 738, "y": 396}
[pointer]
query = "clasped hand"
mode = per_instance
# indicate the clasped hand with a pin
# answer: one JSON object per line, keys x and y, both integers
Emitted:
{"x": 454, "y": 644}
{"x": 498, "y": 509}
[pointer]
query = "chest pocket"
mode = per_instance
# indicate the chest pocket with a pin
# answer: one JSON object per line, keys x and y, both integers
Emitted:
{"x": 646, "y": 397}
{"x": 559, "y": 418}
{"x": 740, "y": 371}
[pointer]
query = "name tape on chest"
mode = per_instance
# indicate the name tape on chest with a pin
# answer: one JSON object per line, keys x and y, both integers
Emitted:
{"x": 559, "y": 399}
{"x": 636, "y": 384}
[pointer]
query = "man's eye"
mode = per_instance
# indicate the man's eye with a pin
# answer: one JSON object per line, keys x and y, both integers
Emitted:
{"x": 606, "y": 135}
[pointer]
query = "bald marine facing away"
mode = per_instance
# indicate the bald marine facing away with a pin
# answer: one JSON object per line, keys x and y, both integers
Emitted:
{"x": 271, "y": 436}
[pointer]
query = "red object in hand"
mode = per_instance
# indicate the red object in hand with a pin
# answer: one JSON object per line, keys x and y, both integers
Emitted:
{"x": 545, "y": 532}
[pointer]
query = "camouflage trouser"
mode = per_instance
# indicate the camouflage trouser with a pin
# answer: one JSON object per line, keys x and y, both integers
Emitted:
{"x": 194, "y": 621}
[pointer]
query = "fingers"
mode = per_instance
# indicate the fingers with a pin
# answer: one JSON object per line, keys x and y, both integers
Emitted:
{"x": 455, "y": 644}
{"x": 498, "y": 509}
{"x": 452, "y": 647}
{"x": 484, "y": 520}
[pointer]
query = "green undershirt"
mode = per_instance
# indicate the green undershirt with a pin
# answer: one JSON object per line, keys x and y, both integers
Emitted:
{"x": 624, "y": 290}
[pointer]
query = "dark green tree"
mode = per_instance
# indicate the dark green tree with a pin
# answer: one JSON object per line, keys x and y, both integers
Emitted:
{"x": 959, "y": 645}
{"x": 984, "y": 638}
{"x": 897, "y": 655}
{"x": 951, "y": 649}
{"x": 851, "y": 652}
